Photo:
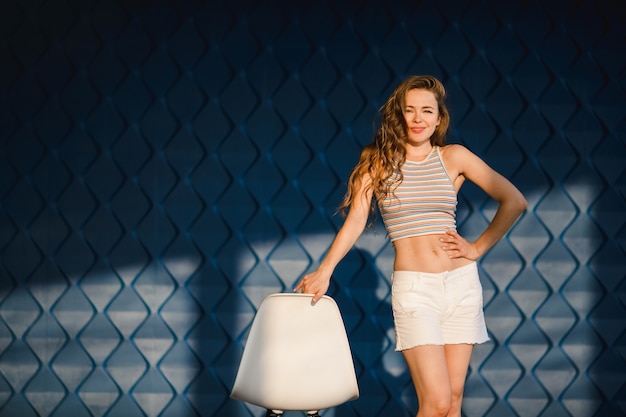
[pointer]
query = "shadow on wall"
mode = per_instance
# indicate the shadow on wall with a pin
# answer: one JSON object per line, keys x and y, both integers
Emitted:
{"x": 362, "y": 294}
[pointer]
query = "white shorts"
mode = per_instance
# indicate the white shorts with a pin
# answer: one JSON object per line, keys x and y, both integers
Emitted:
{"x": 438, "y": 308}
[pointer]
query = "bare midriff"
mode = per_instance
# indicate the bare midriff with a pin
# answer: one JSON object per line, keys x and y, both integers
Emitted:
{"x": 425, "y": 254}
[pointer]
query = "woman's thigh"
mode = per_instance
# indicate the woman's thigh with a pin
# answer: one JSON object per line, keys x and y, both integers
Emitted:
{"x": 429, "y": 372}
{"x": 438, "y": 373}
{"x": 458, "y": 360}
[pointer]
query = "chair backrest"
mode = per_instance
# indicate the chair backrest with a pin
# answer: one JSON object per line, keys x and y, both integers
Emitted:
{"x": 297, "y": 356}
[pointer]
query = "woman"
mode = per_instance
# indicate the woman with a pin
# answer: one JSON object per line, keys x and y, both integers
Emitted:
{"x": 414, "y": 178}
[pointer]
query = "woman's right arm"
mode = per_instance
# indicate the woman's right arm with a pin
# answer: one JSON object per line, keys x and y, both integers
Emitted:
{"x": 318, "y": 281}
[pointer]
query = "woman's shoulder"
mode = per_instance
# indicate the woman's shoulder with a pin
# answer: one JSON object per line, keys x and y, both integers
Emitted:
{"x": 453, "y": 147}
{"x": 454, "y": 150}
{"x": 458, "y": 157}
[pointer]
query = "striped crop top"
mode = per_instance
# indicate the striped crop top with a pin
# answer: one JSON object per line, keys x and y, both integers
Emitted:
{"x": 425, "y": 201}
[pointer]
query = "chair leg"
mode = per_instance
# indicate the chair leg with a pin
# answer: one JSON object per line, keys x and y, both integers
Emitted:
{"x": 273, "y": 413}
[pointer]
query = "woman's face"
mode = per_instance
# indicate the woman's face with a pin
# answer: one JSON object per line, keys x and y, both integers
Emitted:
{"x": 421, "y": 114}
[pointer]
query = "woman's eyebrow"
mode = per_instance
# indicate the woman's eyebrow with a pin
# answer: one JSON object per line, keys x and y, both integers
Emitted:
{"x": 421, "y": 107}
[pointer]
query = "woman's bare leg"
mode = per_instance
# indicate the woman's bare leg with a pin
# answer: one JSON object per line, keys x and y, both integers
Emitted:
{"x": 458, "y": 359}
{"x": 438, "y": 374}
{"x": 429, "y": 372}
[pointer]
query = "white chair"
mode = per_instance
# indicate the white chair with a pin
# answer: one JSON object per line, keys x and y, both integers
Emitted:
{"x": 297, "y": 357}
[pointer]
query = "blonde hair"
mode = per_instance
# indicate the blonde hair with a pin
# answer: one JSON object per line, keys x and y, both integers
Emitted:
{"x": 383, "y": 158}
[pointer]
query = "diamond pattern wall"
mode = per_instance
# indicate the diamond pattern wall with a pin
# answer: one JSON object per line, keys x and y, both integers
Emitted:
{"x": 165, "y": 165}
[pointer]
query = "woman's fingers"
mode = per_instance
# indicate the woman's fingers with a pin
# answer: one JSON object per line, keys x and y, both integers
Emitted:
{"x": 314, "y": 284}
{"x": 455, "y": 245}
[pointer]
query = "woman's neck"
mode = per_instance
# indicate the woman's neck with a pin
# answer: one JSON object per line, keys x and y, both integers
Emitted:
{"x": 419, "y": 152}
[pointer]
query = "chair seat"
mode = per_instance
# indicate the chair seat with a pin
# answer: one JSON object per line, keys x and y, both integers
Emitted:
{"x": 297, "y": 356}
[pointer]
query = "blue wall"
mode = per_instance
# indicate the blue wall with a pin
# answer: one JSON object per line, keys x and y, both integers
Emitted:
{"x": 166, "y": 165}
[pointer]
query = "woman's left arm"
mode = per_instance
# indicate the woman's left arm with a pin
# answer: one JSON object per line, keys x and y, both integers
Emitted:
{"x": 461, "y": 162}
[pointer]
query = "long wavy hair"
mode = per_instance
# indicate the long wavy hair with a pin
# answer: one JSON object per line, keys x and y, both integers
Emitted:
{"x": 385, "y": 155}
